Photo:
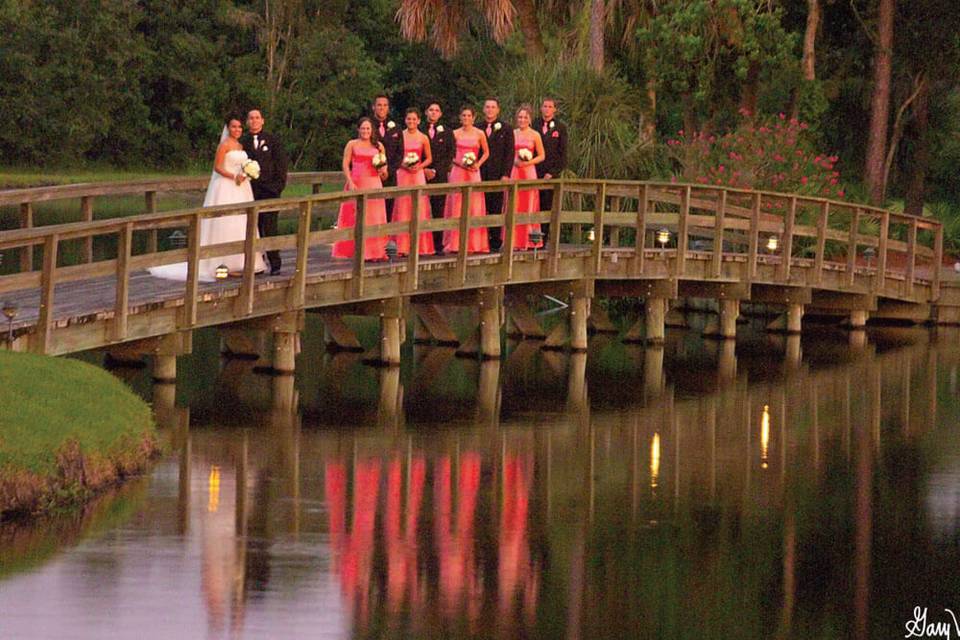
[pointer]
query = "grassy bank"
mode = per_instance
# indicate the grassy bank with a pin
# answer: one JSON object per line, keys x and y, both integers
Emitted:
{"x": 66, "y": 430}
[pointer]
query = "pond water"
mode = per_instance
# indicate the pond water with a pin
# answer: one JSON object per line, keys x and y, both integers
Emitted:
{"x": 781, "y": 488}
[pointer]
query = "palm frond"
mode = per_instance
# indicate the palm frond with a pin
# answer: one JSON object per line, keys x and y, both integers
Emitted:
{"x": 499, "y": 15}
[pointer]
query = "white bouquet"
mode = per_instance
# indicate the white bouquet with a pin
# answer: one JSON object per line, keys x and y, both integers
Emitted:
{"x": 525, "y": 155}
{"x": 469, "y": 159}
{"x": 379, "y": 160}
{"x": 410, "y": 159}
{"x": 251, "y": 168}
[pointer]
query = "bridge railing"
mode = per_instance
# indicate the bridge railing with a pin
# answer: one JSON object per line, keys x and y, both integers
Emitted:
{"x": 78, "y": 202}
{"x": 622, "y": 229}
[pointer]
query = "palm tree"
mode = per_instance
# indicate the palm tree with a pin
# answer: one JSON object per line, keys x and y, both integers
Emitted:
{"x": 443, "y": 22}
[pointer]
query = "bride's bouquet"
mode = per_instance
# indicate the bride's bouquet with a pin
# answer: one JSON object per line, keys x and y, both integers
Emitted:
{"x": 469, "y": 159}
{"x": 251, "y": 168}
{"x": 379, "y": 160}
{"x": 410, "y": 159}
{"x": 525, "y": 155}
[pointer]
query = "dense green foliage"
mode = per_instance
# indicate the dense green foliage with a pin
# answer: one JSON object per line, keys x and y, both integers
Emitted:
{"x": 145, "y": 83}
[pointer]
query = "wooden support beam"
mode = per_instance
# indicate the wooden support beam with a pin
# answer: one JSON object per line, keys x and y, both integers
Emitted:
{"x": 192, "y": 285}
{"x": 725, "y": 326}
{"x": 822, "y": 222}
{"x": 490, "y": 311}
{"x": 338, "y": 334}
{"x": 579, "y": 313}
{"x": 641, "y": 229}
{"x": 852, "y": 246}
{"x": 654, "y": 313}
{"x": 359, "y": 244}
{"x": 911, "y": 257}
{"x": 719, "y": 224}
{"x": 683, "y": 224}
{"x": 659, "y": 288}
{"x": 48, "y": 282}
{"x": 880, "y": 280}
{"x": 715, "y": 289}
{"x": 432, "y": 325}
{"x": 299, "y": 285}
{"x": 122, "y": 301}
{"x": 598, "y": 215}
{"x": 244, "y": 304}
{"x": 413, "y": 258}
{"x": 26, "y": 222}
{"x": 753, "y": 241}
{"x": 553, "y": 241}
{"x": 150, "y": 206}
{"x": 86, "y": 215}
{"x": 787, "y": 244}
{"x": 466, "y": 194}
{"x": 522, "y": 322}
{"x": 509, "y": 223}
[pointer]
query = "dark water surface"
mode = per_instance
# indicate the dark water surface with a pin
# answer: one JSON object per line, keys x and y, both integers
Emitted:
{"x": 693, "y": 491}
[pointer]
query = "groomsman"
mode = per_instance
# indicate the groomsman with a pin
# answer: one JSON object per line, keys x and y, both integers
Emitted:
{"x": 392, "y": 138}
{"x": 443, "y": 148}
{"x": 554, "y": 134}
{"x": 500, "y": 163}
{"x": 268, "y": 151}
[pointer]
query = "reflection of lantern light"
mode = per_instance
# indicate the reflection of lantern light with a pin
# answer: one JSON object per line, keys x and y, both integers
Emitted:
{"x": 654, "y": 460}
{"x": 214, "y": 488}
{"x": 773, "y": 243}
{"x": 764, "y": 436}
{"x": 663, "y": 237}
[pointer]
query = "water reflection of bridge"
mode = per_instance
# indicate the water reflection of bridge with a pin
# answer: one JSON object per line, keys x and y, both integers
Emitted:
{"x": 457, "y": 525}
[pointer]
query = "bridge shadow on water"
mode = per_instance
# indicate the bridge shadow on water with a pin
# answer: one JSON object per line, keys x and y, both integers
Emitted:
{"x": 776, "y": 486}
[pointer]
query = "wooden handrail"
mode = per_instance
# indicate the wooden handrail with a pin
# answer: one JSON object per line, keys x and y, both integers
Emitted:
{"x": 692, "y": 211}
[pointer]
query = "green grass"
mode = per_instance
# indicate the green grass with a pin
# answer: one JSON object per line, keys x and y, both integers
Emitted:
{"x": 23, "y": 177}
{"x": 48, "y": 402}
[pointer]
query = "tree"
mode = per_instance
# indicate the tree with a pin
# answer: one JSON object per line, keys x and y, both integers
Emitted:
{"x": 597, "y": 23}
{"x": 444, "y": 22}
{"x": 873, "y": 175}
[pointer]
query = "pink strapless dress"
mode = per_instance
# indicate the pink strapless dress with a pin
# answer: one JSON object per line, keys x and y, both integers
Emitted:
{"x": 403, "y": 207}
{"x": 528, "y": 200}
{"x": 477, "y": 240}
{"x": 365, "y": 176}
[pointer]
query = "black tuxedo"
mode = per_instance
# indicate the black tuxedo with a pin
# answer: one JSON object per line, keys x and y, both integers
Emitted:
{"x": 555, "y": 149}
{"x": 442, "y": 147}
{"x": 272, "y": 157}
{"x": 498, "y": 165}
{"x": 392, "y": 140}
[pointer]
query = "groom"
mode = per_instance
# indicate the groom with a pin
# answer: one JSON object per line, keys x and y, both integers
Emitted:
{"x": 266, "y": 149}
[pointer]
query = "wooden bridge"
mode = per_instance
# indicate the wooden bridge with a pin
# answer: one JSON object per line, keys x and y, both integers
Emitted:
{"x": 84, "y": 285}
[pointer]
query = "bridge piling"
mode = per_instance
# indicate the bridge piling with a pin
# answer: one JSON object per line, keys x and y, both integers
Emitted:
{"x": 655, "y": 312}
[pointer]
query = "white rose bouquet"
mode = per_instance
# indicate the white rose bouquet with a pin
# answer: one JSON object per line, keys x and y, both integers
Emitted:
{"x": 251, "y": 169}
{"x": 410, "y": 159}
{"x": 525, "y": 155}
{"x": 469, "y": 159}
{"x": 379, "y": 160}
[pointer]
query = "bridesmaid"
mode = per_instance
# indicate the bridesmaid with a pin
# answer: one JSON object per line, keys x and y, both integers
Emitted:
{"x": 414, "y": 142}
{"x": 469, "y": 140}
{"x": 361, "y": 174}
{"x": 528, "y": 200}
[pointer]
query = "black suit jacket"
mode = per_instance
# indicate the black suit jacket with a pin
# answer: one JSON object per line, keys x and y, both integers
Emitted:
{"x": 392, "y": 143}
{"x": 443, "y": 147}
{"x": 273, "y": 164}
{"x": 554, "y": 147}
{"x": 500, "y": 162}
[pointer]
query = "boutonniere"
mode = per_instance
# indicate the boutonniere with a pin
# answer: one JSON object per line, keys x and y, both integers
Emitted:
{"x": 264, "y": 148}
{"x": 497, "y": 126}
{"x": 439, "y": 128}
{"x": 391, "y": 124}
{"x": 556, "y": 134}
{"x": 552, "y": 124}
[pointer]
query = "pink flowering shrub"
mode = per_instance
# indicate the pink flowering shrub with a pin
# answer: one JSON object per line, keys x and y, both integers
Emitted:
{"x": 772, "y": 154}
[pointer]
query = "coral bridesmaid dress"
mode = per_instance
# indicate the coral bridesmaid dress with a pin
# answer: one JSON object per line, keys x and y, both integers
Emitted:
{"x": 528, "y": 200}
{"x": 403, "y": 207}
{"x": 477, "y": 240}
{"x": 364, "y": 176}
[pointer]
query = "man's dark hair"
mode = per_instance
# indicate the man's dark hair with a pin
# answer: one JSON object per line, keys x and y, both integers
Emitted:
{"x": 493, "y": 98}
{"x": 380, "y": 95}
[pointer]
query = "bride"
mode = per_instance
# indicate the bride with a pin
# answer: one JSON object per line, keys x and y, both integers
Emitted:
{"x": 228, "y": 185}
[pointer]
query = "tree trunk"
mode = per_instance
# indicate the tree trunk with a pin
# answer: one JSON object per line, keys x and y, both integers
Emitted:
{"x": 648, "y": 115}
{"x": 921, "y": 153}
{"x": 809, "y": 63}
{"x": 530, "y": 28}
{"x": 880, "y": 105}
{"x": 750, "y": 88}
{"x": 596, "y": 34}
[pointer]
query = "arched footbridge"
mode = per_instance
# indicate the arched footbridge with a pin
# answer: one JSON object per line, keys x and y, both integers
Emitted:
{"x": 84, "y": 285}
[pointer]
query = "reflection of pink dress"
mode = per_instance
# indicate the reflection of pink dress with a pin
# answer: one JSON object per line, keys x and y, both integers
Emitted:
{"x": 403, "y": 207}
{"x": 528, "y": 200}
{"x": 365, "y": 177}
{"x": 477, "y": 241}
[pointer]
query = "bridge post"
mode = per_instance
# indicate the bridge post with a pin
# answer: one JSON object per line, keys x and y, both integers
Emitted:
{"x": 858, "y": 319}
{"x": 794, "y": 318}
{"x": 653, "y": 383}
{"x": 655, "y": 314}
{"x": 491, "y": 307}
{"x": 165, "y": 351}
{"x": 390, "y": 337}
{"x": 579, "y": 314}
{"x": 729, "y": 312}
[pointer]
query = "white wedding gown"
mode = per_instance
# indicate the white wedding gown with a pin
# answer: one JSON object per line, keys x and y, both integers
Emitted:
{"x": 220, "y": 191}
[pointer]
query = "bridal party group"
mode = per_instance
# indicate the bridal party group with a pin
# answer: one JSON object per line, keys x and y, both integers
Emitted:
{"x": 426, "y": 150}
